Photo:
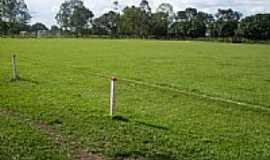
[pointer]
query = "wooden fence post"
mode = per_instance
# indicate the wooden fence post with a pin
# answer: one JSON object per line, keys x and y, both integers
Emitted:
{"x": 113, "y": 97}
{"x": 14, "y": 67}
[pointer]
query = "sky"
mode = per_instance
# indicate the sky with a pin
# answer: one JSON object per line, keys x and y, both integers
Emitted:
{"x": 45, "y": 10}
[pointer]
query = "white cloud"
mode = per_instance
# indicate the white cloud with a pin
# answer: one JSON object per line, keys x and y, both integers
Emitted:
{"x": 45, "y": 10}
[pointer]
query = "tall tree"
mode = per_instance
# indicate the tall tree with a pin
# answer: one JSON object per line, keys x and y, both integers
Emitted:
{"x": 191, "y": 13}
{"x": 168, "y": 9}
{"x": 38, "y": 27}
{"x": 107, "y": 24}
{"x": 22, "y": 15}
{"x": 179, "y": 29}
{"x": 181, "y": 16}
{"x": 14, "y": 11}
{"x": 81, "y": 19}
{"x": 15, "y": 15}
{"x": 190, "y": 23}
{"x": 226, "y": 23}
{"x": 63, "y": 15}
{"x": 159, "y": 24}
{"x": 144, "y": 5}
{"x": 74, "y": 16}
{"x": 256, "y": 27}
{"x": 228, "y": 15}
{"x": 134, "y": 21}
{"x": 197, "y": 28}
{"x": 55, "y": 29}
{"x": 205, "y": 18}
{"x": 2, "y": 23}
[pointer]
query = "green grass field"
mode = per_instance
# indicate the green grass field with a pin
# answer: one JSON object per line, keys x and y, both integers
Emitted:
{"x": 64, "y": 83}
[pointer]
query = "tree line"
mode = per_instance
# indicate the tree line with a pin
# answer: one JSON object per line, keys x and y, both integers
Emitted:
{"x": 74, "y": 18}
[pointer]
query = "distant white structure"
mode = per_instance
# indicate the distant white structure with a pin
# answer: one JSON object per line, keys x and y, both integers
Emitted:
{"x": 42, "y": 33}
{"x": 23, "y": 33}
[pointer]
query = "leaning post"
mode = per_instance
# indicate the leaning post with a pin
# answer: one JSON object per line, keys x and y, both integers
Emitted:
{"x": 113, "y": 96}
{"x": 14, "y": 67}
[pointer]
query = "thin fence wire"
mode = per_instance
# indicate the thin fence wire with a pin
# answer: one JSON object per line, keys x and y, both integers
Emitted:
{"x": 152, "y": 99}
{"x": 168, "y": 87}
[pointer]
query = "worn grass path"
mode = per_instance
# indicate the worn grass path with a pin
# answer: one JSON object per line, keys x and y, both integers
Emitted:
{"x": 77, "y": 151}
{"x": 58, "y": 88}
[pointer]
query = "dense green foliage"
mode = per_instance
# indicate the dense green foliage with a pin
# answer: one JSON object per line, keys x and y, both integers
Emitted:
{"x": 256, "y": 27}
{"x": 134, "y": 21}
{"x": 38, "y": 27}
{"x": 140, "y": 21}
{"x": 226, "y": 23}
{"x": 190, "y": 23}
{"x": 74, "y": 16}
{"x": 14, "y": 16}
{"x": 107, "y": 24}
{"x": 59, "y": 85}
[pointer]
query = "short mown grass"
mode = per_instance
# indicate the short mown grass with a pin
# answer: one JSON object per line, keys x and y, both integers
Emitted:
{"x": 59, "y": 85}
{"x": 20, "y": 140}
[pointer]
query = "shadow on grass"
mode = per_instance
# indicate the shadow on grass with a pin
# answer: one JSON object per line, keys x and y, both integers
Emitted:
{"x": 138, "y": 155}
{"x": 120, "y": 118}
{"x": 19, "y": 78}
{"x": 125, "y": 119}
{"x": 163, "y": 156}
{"x": 152, "y": 125}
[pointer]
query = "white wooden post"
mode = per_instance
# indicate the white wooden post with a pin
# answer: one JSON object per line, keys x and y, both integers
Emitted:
{"x": 113, "y": 97}
{"x": 14, "y": 67}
